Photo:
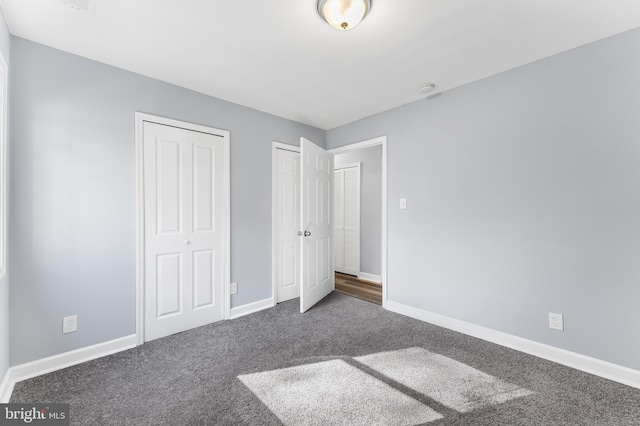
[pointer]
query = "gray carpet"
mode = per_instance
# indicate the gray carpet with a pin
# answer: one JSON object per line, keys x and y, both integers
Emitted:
{"x": 222, "y": 374}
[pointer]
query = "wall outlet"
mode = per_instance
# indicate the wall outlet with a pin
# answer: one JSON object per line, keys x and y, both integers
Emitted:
{"x": 69, "y": 324}
{"x": 234, "y": 288}
{"x": 556, "y": 321}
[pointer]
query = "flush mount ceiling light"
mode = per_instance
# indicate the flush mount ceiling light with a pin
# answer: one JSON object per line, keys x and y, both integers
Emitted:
{"x": 343, "y": 14}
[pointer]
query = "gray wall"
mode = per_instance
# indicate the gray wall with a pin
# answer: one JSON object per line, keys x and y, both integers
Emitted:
{"x": 4, "y": 283}
{"x": 523, "y": 198}
{"x": 523, "y": 192}
{"x": 370, "y": 205}
{"x": 73, "y": 194}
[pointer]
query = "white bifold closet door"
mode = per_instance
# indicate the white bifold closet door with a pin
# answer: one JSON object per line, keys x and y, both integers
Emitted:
{"x": 346, "y": 246}
{"x": 184, "y": 241}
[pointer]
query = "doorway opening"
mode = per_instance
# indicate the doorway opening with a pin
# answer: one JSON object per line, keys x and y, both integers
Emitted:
{"x": 369, "y": 270}
{"x": 358, "y": 223}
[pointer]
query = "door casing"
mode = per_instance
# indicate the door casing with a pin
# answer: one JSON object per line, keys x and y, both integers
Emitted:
{"x": 140, "y": 118}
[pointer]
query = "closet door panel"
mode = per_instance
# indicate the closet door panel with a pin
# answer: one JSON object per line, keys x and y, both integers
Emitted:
{"x": 347, "y": 220}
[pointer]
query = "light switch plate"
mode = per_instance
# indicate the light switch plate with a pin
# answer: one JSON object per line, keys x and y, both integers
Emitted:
{"x": 403, "y": 203}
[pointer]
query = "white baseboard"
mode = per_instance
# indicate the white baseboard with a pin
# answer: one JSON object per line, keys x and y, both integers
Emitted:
{"x": 370, "y": 277}
{"x": 249, "y": 308}
{"x": 607, "y": 370}
{"x": 57, "y": 362}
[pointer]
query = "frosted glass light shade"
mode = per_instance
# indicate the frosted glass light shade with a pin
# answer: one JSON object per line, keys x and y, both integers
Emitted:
{"x": 343, "y": 14}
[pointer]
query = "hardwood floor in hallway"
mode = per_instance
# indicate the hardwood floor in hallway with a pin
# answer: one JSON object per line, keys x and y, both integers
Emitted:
{"x": 361, "y": 289}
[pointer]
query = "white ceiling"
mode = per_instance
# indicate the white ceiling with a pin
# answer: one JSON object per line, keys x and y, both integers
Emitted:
{"x": 278, "y": 56}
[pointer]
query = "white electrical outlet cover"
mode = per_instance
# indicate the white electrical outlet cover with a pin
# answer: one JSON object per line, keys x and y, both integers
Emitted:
{"x": 69, "y": 324}
{"x": 556, "y": 321}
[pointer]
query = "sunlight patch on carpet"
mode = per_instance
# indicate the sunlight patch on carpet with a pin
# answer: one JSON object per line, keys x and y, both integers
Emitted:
{"x": 335, "y": 393}
{"x": 447, "y": 381}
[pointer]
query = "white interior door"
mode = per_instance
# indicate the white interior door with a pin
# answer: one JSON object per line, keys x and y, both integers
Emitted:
{"x": 184, "y": 241}
{"x": 287, "y": 212}
{"x": 316, "y": 248}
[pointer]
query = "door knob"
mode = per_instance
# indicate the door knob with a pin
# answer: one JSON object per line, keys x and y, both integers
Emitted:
{"x": 187, "y": 242}
{"x": 305, "y": 233}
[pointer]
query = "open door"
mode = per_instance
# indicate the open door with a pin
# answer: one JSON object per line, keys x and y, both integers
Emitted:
{"x": 316, "y": 213}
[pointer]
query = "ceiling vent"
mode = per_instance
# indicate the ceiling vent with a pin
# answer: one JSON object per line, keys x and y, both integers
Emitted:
{"x": 88, "y": 6}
